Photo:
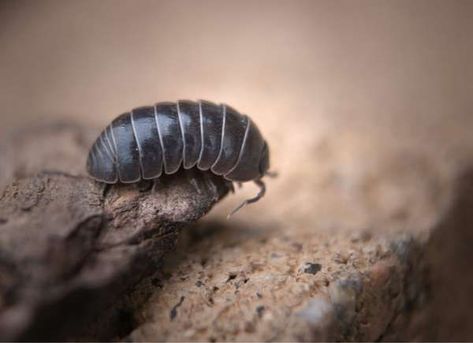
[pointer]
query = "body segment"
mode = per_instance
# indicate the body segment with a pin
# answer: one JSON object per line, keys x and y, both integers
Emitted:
{"x": 233, "y": 135}
{"x": 190, "y": 119}
{"x": 147, "y": 136}
{"x": 128, "y": 157}
{"x": 211, "y": 130}
{"x": 170, "y": 136}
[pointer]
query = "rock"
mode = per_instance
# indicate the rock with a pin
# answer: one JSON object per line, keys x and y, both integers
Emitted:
{"x": 79, "y": 253}
{"x": 295, "y": 276}
{"x": 381, "y": 259}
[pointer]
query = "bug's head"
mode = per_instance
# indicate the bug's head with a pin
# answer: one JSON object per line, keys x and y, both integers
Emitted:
{"x": 264, "y": 160}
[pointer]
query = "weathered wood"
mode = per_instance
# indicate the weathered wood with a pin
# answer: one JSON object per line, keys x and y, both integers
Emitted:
{"x": 73, "y": 250}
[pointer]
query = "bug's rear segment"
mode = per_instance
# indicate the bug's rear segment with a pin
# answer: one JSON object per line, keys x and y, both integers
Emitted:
{"x": 156, "y": 139}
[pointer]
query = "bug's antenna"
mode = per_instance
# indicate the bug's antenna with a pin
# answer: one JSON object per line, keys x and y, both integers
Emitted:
{"x": 258, "y": 196}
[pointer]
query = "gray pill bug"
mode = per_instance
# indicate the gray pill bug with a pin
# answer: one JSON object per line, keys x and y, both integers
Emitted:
{"x": 149, "y": 141}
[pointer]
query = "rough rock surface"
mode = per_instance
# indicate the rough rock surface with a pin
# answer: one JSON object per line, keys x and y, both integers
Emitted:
{"x": 75, "y": 254}
{"x": 232, "y": 285}
{"x": 358, "y": 249}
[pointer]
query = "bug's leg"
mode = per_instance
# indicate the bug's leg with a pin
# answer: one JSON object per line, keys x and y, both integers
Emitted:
{"x": 145, "y": 185}
{"x": 106, "y": 189}
{"x": 155, "y": 184}
{"x": 231, "y": 187}
{"x": 209, "y": 183}
{"x": 262, "y": 191}
{"x": 192, "y": 180}
{"x": 239, "y": 184}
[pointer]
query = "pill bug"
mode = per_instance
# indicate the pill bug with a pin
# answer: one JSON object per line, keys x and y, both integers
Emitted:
{"x": 149, "y": 141}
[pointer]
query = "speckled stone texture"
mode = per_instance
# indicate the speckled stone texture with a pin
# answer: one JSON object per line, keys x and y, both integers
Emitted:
{"x": 369, "y": 249}
{"x": 236, "y": 285}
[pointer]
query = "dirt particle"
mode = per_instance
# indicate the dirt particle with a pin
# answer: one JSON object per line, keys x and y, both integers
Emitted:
{"x": 340, "y": 258}
{"x": 231, "y": 276}
{"x": 260, "y": 310}
{"x": 275, "y": 255}
{"x": 312, "y": 268}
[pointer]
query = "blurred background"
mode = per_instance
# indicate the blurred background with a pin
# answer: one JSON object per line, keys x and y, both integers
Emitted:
{"x": 367, "y": 105}
{"x": 335, "y": 86}
{"x": 404, "y": 66}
